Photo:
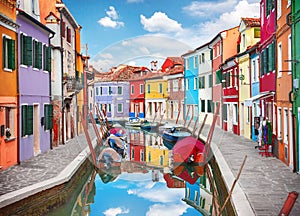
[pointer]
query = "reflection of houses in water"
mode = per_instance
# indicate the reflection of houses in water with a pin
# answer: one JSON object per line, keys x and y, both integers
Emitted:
{"x": 157, "y": 154}
{"x": 173, "y": 182}
{"x": 136, "y": 145}
{"x": 155, "y": 175}
{"x": 199, "y": 196}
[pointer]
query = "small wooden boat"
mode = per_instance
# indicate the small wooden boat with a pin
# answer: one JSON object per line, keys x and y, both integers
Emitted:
{"x": 117, "y": 143}
{"x": 134, "y": 122}
{"x": 146, "y": 125}
{"x": 175, "y": 134}
{"x": 165, "y": 127}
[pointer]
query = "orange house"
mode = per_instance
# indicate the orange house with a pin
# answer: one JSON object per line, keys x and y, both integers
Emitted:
{"x": 8, "y": 87}
{"x": 284, "y": 129}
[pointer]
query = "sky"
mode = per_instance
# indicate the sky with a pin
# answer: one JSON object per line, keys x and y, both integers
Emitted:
{"x": 135, "y": 32}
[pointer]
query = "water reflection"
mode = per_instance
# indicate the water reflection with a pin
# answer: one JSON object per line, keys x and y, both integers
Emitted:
{"x": 146, "y": 182}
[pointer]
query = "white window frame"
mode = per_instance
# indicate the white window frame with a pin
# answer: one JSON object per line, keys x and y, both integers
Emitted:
{"x": 279, "y": 8}
{"x": 279, "y": 59}
{"x": 290, "y": 54}
{"x": 279, "y": 123}
{"x": 285, "y": 126}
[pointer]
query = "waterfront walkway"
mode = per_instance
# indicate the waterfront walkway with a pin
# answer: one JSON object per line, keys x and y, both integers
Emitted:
{"x": 261, "y": 189}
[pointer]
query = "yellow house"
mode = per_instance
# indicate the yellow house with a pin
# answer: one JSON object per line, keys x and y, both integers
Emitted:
{"x": 79, "y": 77}
{"x": 156, "y": 95}
{"x": 157, "y": 155}
{"x": 249, "y": 35}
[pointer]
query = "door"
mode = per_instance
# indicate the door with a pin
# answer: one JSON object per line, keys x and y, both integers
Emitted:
{"x": 291, "y": 140}
{"x": 36, "y": 129}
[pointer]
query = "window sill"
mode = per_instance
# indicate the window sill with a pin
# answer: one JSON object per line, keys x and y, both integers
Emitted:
{"x": 9, "y": 139}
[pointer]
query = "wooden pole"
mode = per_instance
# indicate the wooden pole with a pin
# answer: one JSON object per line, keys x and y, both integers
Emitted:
{"x": 95, "y": 128}
{"x": 233, "y": 185}
{"x": 89, "y": 142}
{"x": 202, "y": 126}
{"x": 178, "y": 116}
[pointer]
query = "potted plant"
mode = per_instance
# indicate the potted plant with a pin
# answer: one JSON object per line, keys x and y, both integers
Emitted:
{"x": 7, "y": 133}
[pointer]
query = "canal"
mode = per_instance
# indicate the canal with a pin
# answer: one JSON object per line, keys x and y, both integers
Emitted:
{"x": 145, "y": 183}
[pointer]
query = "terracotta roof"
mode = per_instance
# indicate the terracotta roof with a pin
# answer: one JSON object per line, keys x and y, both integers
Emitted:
{"x": 176, "y": 60}
{"x": 251, "y": 22}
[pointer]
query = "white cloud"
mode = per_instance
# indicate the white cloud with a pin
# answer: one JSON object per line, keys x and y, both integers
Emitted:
{"x": 111, "y": 20}
{"x": 112, "y": 13}
{"x": 115, "y": 211}
{"x": 167, "y": 210}
{"x": 208, "y": 8}
{"x": 160, "y": 22}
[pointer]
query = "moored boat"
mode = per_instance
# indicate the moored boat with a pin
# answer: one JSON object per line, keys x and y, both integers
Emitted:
{"x": 175, "y": 134}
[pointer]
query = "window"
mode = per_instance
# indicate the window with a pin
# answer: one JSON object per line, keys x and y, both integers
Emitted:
{"x": 224, "y": 112}
{"x": 244, "y": 40}
{"x": 195, "y": 83}
{"x": 10, "y": 119}
{"x": 160, "y": 88}
{"x": 256, "y": 32}
{"x": 47, "y": 58}
{"x": 279, "y": 134}
{"x": 235, "y": 114}
{"x": 120, "y": 90}
{"x": 195, "y": 61}
{"x": 97, "y": 91}
{"x": 37, "y": 53}
{"x": 290, "y": 54}
{"x": 132, "y": 89}
{"x": 141, "y": 88}
{"x": 209, "y": 106}
{"x": 202, "y": 82}
{"x": 210, "y": 80}
{"x": 285, "y": 126}
{"x": 269, "y": 6}
{"x": 254, "y": 71}
{"x": 26, "y": 50}
{"x": 248, "y": 114}
{"x": 48, "y": 116}
{"x": 279, "y": 3}
{"x": 109, "y": 90}
{"x": 101, "y": 90}
{"x": 187, "y": 84}
{"x": 120, "y": 108}
{"x": 279, "y": 60}
{"x": 27, "y": 120}
{"x": 69, "y": 35}
{"x": 8, "y": 53}
{"x": 187, "y": 64}
{"x": 109, "y": 108}
{"x": 63, "y": 29}
{"x": 202, "y": 105}
{"x": 175, "y": 85}
{"x": 148, "y": 88}
{"x": 218, "y": 76}
{"x": 203, "y": 58}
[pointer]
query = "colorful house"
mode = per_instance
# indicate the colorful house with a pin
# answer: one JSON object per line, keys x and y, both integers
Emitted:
{"x": 222, "y": 47}
{"x": 136, "y": 142}
{"x": 230, "y": 85}
{"x": 137, "y": 94}
{"x": 191, "y": 98}
{"x": 249, "y": 36}
{"x": 9, "y": 131}
{"x": 173, "y": 67}
{"x": 157, "y": 155}
{"x": 284, "y": 133}
{"x": 205, "y": 82}
{"x": 295, "y": 96}
{"x": 156, "y": 95}
{"x": 255, "y": 111}
{"x": 267, "y": 68}
{"x": 35, "y": 105}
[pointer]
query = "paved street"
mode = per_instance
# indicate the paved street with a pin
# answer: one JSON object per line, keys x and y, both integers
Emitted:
{"x": 262, "y": 187}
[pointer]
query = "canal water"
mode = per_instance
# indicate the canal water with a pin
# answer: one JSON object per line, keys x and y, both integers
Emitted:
{"x": 144, "y": 183}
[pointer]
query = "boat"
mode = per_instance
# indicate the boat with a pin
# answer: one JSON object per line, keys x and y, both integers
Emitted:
{"x": 146, "y": 125}
{"x": 118, "y": 130}
{"x": 174, "y": 134}
{"x": 134, "y": 122}
{"x": 165, "y": 127}
{"x": 117, "y": 143}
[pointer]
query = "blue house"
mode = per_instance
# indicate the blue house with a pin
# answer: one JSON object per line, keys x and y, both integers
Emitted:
{"x": 191, "y": 82}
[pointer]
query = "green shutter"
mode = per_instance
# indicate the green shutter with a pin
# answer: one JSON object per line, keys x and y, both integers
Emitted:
{"x": 218, "y": 76}
{"x": 23, "y": 48}
{"x": 24, "y": 114}
{"x": 48, "y": 59}
{"x": 39, "y": 55}
{"x": 48, "y": 115}
{"x": 29, "y": 119}
{"x": 11, "y": 54}
{"x": 3, "y": 51}
{"x": 28, "y": 42}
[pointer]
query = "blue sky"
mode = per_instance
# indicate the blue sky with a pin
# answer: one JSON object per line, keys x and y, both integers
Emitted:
{"x": 136, "y": 32}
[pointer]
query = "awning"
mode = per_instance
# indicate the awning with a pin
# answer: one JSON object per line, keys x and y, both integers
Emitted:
{"x": 249, "y": 101}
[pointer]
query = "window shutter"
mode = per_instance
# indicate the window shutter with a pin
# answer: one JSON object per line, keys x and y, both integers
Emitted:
{"x": 29, "y": 120}
{"x": 39, "y": 55}
{"x": 23, "y": 45}
{"x": 63, "y": 29}
{"x": 48, "y": 117}
{"x": 28, "y": 50}
{"x": 24, "y": 114}
{"x": 11, "y": 54}
{"x": 3, "y": 51}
